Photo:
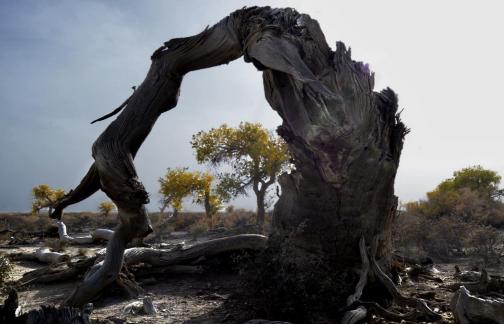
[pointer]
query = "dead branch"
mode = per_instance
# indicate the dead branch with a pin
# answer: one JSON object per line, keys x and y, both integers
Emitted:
{"x": 364, "y": 273}
{"x": 43, "y": 254}
{"x": 98, "y": 234}
{"x": 57, "y": 272}
{"x": 207, "y": 249}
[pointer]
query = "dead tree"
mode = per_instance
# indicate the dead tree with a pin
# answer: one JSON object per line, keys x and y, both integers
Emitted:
{"x": 345, "y": 139}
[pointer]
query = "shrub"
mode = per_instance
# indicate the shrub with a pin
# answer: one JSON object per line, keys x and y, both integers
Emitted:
{"x": 199, "y": 228}
{"x": 236, "y": 218}
{"x": 486, "y": 242}
{"x": 184, "y": 221}
{"x": 55, "y": 244}
{"x": 5, "y": 269}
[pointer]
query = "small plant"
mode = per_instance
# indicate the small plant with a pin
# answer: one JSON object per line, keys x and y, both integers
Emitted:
{"x": 55, "y": 244}
{"x": 6, "y": 268}
{"x": 199, "y": 228}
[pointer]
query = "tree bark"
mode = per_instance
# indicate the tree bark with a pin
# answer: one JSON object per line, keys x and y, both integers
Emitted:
{"x": 471, "y": 309}
{"x": 345, "y": 140}
{"x": 98, "y": 234}
{"x": 43, "y": 254}
{"x": 261, "y": 210}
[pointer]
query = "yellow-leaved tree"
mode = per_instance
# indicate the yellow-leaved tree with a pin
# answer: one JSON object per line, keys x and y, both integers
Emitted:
{"x": 179, "y": 183}
{"x": 45, "y": 197}
{"x": 106, "y": 207}
{"x": 255, "y": 155}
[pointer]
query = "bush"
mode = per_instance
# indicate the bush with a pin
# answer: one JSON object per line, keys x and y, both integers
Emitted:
{"x": 184, "y": 221}
{"x": 55, "y": 244}
{"x": 236, "y": 218}
{"x": 5, "y": 269}
{"x": 199, "y": 228}
{"x": 486, "y": 242}
{"x": 446, "y": 237}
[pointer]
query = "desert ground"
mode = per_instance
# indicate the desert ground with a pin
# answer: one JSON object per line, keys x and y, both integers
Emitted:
{"x": 213, "y": 296}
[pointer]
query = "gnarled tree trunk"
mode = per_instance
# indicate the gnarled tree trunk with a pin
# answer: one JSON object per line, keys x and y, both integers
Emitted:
{"x": 345, "y": 139}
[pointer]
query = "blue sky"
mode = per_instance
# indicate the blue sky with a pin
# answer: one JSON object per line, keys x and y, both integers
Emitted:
{"x": 65, "y": 63}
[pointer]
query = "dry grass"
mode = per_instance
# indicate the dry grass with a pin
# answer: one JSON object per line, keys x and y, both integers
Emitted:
{"x": 163, "y": 224}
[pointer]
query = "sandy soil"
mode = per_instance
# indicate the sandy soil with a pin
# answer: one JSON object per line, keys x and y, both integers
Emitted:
{"x": 178, "y": 299}
{"x": 205, "y": 298}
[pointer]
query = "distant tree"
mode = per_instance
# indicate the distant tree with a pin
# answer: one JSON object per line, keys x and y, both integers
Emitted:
{"x": 465, "y": 191}
{"x": 180, "y": 183}
{"x": 205, "y": 194}
{"x": 106, "y": 207}
{"x": 255, "y": 156}
{"x": 45, "y": 197}
{"x": 176, "y": 184}
{"x": 461, "y": 214}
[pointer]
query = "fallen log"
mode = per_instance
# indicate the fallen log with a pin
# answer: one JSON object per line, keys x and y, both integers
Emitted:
{"x": 57, "y": 272}
{"x": 159, "y": 257}
{"x": 178, "y": 260}
{"x": 468, "y": 308}
{"x": 98, "y": 234}
{"x": 43, "y": 254}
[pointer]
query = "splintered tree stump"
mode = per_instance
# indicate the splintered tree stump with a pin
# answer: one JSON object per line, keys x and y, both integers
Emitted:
{"x": 345, "y": 140}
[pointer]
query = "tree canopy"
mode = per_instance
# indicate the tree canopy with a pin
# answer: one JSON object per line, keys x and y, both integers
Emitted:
{"x": 106, "y": 207}
{"x": 255, "y": 156}
{"x": 179, "y": 183}
{"x": 45, "y": 197}
{"x": 461, "y": 194}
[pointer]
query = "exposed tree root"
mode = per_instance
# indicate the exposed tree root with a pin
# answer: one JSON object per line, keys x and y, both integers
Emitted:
{"x": 364, "y": 273}
{"x": 371, "y": 267}
{"x": 57, "y": 272}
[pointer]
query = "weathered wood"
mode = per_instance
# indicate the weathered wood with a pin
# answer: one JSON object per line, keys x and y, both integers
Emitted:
{"x": 345, "y": 139}
{"x": 180, "y": 260}
{"x": 57, "y": 272}
{"x": 159, "y": 257}
{"x": 359, "y": 313}
{"x": 471, "y": 309}
{"x": 43, "y": 254}
{"x": 419, "y": 304}
{"x": 354, "y": 316}
{"x": 98, "y": 234}
{"x": 363, "y": 275}
{"x": 102, "y": 234}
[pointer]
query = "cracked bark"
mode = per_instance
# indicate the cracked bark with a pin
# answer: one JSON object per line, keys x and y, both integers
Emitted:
{"x": 345, "y": 138}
